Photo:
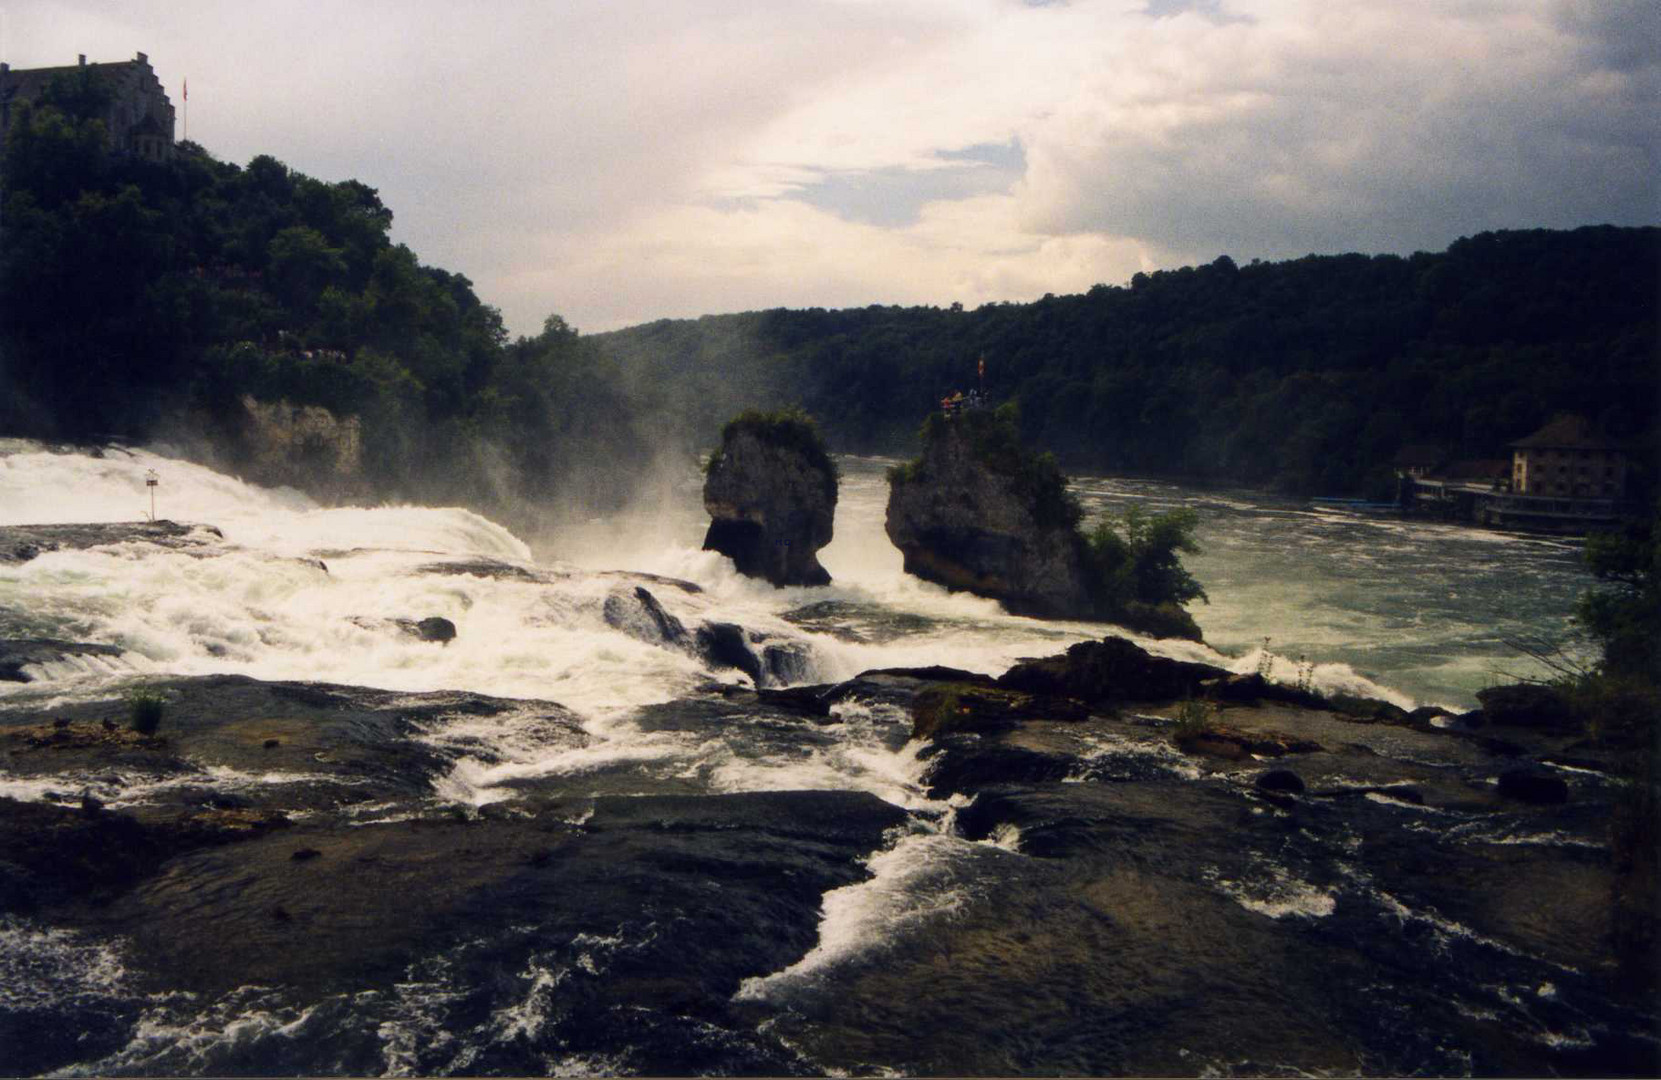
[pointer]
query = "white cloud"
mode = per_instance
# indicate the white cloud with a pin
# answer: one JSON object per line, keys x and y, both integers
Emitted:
{"x": 693, "y": 259}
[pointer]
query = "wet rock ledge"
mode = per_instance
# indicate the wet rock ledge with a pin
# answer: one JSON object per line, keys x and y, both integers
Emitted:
{"x": 300, "y": 838}
{"x": 1152, "y": 867}
{"x": 20, "y": 543}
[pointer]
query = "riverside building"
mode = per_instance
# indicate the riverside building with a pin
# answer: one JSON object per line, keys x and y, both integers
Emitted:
{"x": 1566, "y": 477}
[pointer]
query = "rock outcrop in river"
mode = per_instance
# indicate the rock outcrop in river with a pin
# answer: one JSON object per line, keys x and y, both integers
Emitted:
{"x": 771, "y": 496}
{"x": 978, "y": 513}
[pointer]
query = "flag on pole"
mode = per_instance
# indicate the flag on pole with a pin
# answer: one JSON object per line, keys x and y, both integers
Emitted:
{"x": 187, "y": 89}
{"x": 983, "y": 367}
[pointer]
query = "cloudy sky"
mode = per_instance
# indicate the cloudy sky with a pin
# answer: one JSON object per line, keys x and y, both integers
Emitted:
{"x": 617, "y": 161}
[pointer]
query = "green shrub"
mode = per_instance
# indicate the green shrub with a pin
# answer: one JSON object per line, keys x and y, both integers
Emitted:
{"x": 790, "y": 427}
{"x": 1194, "y": 720}
{"x": 144, "y": 709}
{"x": 1136, "y": 570}
{"x": 901, "y": 474}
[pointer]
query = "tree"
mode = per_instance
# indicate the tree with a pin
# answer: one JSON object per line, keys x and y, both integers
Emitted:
{"x": 1140, "y": 562}
{"x": 1624, "y": 614}
{"x": 302, "y": 264}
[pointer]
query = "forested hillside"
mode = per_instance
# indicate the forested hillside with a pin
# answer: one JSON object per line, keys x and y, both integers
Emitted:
{"x": 139, "y": 298}
{"x": 1308, "y": 374}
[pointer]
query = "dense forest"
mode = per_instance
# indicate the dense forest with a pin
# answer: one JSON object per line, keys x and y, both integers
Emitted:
{"x": 141, "y": 299}
{"x": 1308, "y": 375}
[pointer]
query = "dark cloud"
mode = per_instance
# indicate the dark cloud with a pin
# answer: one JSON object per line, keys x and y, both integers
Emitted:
{"x": 1299, "y": 143}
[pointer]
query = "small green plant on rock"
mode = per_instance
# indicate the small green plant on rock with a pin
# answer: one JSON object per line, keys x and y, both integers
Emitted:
{"x": 1265, "y": 661}
{"x": 1306, "y": 675}
{"x": 1194, "y": 720}
{"x": 145, "y": 708}
{"x": 935, "y": 710}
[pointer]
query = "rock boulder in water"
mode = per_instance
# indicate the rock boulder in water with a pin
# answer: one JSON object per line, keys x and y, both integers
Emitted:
{"x": 965, "y": 522}
{"x": 20, "y": 543}
{"x": 436, "y": 628}
{"x": 1526, "y": 705}
{"x": 1533, "y": 785}
{"x": 638, "y": 614}
{"x": 771, "y": 497}
{"x": 1281, "y": 780}
{"x": 1107, "y": 671}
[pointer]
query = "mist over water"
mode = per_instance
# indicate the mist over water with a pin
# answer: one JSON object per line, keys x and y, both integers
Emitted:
{"x": 1416, "y": 612}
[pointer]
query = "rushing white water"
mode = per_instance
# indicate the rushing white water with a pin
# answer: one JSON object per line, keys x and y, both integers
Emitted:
{"x": 301, "y": 591}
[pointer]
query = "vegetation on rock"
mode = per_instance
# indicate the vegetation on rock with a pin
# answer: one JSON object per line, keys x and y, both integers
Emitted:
{"x": 1619, "y": 701}
{"x": 1132, "y": 569}
{"x": 1193, "y": 720}
{"x": 770, "y": 489}
{"x": 135, "y": 293}
{"x": 789, "y": 428}
{"x": 1138, "y": 573}
{"x": 145, "y": 709}
{"x": 994, "y": 437}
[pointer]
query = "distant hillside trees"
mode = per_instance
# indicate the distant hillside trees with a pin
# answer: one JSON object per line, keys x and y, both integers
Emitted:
{"x": 1307, "y": 375}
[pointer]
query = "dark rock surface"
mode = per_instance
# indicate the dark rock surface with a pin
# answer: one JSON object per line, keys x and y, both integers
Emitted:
{"x": 20, "y": 543}
{"x": 432, "y": 628}
{"x": 340, "y": 875}
{"x": 1526, "y": 705}
{"x": 495, "y": 569}
{"x": 18, "y": 653}
{"x": 340, "y": 742}
{"x": 772, "y": 507}
{"x": 768, "y": 664}
{"x": 638, "y": 614}
{"x": 1533, "y": 785}
{"x": 1101, "y": 904}
{"x": 1112, "y": 670}
{"x": 1396, "y": 914}
{"x": 1281, "y": 780}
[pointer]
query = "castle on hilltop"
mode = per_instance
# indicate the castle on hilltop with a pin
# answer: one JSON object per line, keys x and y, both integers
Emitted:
{"x": 139, "y": 116}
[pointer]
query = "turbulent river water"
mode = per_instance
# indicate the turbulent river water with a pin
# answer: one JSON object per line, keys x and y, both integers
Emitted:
{"x": 1407, "y": 611}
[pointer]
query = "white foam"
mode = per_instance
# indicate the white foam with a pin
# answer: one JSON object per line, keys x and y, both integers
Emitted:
{"x": 913, "y": 883}
{"x": 1277, "y": 895}
{"x": 120, "y": 789}
{"x": 180, "y": 1036}
{"x": 42, "y": 968}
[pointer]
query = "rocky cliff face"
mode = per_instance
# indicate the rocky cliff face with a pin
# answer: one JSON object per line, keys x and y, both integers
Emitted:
{"x": 965, "y": 524}
{"x": 772, "y": 506}
{"x": 304, "y": 446}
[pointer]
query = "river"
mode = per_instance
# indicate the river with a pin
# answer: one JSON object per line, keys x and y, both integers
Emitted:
{"x": 1407, "y": 611}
